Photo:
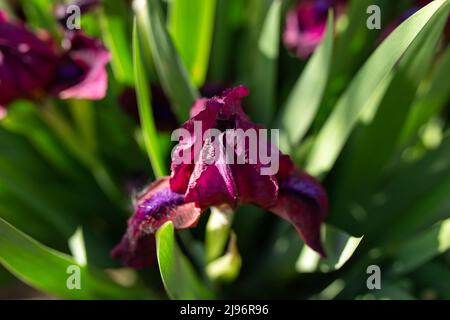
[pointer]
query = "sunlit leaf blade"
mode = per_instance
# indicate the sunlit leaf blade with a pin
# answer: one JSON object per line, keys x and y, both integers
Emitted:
{"x": 171, "y": 71}
{"x": 347, "y": 111}
{"x": 422, "y": 248}
{"x": 115, "y": 34}
{"x": 432, "y": 102}
{"x": 178, "y": 275}
{"x": 415, "y": 197}
{"x": 264, "y": 71}
{"x": 40, "y": 15}
{"x": 382, "y": 123}
{"x": 145, "y": 109}
{"x": 50, "y": 271}
{"x": 304, "y": 99}
{"x": 191, "y": 25}
{"x": 339, "y": 247}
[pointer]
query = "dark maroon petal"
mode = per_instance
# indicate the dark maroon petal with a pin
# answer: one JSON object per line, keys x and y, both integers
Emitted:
{"x": 3, "y": 17}
{"x": 216, "y": 182}
{"x": 140, "y": 255}
{"x": 155, "y": 206}
{"x": 303, "y": 202}
{"x": 306, "y": 24}
{"x": 81, "y": 72}
{"x": 254, "y": 187}
{"x": 212, "y": 184}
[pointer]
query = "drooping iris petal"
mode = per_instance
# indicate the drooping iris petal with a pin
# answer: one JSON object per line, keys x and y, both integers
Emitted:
{"x": 81, "y": 72}
{"x": 26, "y": 62}
{"x": 155, "y": 206}
{"x": 303, "y": 202}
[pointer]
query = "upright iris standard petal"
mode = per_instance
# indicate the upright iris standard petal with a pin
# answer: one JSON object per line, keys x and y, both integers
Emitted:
{"x": 303, "y": 202}
{"x": 213, "y": 183}
{"x": 155, "y": 206}
{"x": 26, "y": 62}
{"x": 306, "y": 24}
{"x": 81, "y": 71}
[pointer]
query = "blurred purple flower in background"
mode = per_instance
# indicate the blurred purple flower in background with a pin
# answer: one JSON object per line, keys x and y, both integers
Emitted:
{"x": 33, "y": 67}
{"x": 81, "y": 72}
{"x": 27, "y": 62}
{"x": 194, "y": 186}
{"x": 306, "y": 24}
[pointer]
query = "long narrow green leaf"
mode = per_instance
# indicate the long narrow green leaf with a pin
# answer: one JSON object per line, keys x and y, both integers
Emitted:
{"x": 414, "y": 198}
{"x": 432, "y": 102}
{"x": 40, "y": 15}
{"x": 191, "y": 24}
{"x": 177, "y": 273}
{"x": 304, "y": 99}
{"x": 171, "y": 71}
{"x": 264, "y": 72}
{"x": 340, "y": 124}
{"x": 145, "y": 109}
{"x": 362, "y": 165}
{"x": 114, "y": 31}
{"x": 422, "y": 248}
{"x": 56, "y": 273}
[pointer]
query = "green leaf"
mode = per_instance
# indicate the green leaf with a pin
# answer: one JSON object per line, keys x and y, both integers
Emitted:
{"x": 304, "y": 100}
{"x": 171, "y": 71}
{"x": 430, "y": 103}
{"x": 51, "y": 271}
{"x": 264, "y": 72}
{"x": 433, "y": 278}
{"x": 339, "y": 247}
{"x": 115, "y": 34}
{"x": 191, "y": 25}
{"x": 40, "y": 16}
{"x": 353, "y": 102}
{"x": 422, "y": 248}
{"x": 362, "y": 163}
{"x": 178, "y": 275}
{"x": 145, "y": 109}
{"x": 413, "y": 198}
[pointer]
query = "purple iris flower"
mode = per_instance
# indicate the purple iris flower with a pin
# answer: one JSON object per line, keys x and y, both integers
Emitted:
{"x": 33, "y": 67}
{"x": 81, "y": 71}
{"x": 27, "y": 62}
{"x": 194, "y": 186}
{"x": 306, "y": 24}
